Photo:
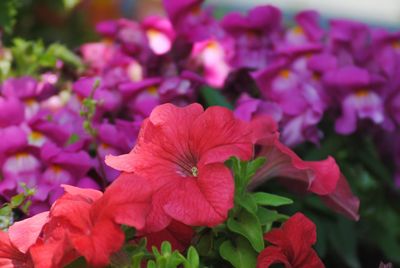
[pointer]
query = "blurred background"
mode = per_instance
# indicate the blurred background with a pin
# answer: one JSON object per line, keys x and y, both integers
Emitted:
{"x": 72, "y": 21}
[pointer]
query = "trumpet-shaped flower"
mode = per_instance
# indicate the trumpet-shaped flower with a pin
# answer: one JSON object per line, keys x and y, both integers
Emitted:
{"x": 181, "y": 151}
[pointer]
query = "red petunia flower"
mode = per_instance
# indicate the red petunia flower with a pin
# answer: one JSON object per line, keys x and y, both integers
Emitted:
{"x": 320, "y": 177}
{"x": 15, "y": 244}
{"x": 291, "y": 245}
{"x": 85, "y": 222}
{"x": 181, "y": 153}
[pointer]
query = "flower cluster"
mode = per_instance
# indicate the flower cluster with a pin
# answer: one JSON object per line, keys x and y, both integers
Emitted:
{"x": 37, "y": 150}
{"x": 173, "y": 179}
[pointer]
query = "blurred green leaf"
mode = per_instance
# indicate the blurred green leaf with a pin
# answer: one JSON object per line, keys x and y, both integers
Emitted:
{"x": 342, "y": 236}
{"x": 8, "y": 12}
{"x": 17, "y": 200}
{"x": 214, "y": 97}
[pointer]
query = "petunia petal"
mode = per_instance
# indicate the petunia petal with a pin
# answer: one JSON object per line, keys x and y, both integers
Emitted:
{"x": 205, "y": 200}
{"x": 23, "y": 234}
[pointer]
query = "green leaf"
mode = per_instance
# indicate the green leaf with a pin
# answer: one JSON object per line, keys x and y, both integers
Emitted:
{"x": 151, "y": 264}
{"x": 67, "y": 56}
{"x": 17, "y": 200}
{"x": 266, "y": 199}
{"x": 5, "y": 211}
{"x": 166, "y": 248}
{"x": 255, "y": 164}
{"x": 267, "y": 217}
{"x": 214, "y": 97}
{"x": 205, "y": 244}
{"x": 241, "y": 255}
{"x": 248, "y": 225}
{"x": 247, "y": 202}
{"x": 192, "y": 258}
{"x": 8, "y": 12}
{"x": 137, "y": 260}
{"x": 244, "y": 171}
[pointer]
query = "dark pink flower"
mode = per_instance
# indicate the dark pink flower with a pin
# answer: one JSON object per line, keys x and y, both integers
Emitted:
{"x": 320, "y": 177}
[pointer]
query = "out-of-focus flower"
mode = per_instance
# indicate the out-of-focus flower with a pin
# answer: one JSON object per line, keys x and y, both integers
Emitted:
{"x": 320, "y": 177}
{"x": 254, "y": 35}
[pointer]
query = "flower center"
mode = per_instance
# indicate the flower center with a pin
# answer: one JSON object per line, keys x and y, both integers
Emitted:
{"x": 195, "y": 171}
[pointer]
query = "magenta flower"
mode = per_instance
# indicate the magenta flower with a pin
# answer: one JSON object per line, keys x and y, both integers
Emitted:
{"x": 254, "y": 35}
{"x": 297, "y": 90}
{"x": 11, "y": 111}
{"x": 190, "y": 21}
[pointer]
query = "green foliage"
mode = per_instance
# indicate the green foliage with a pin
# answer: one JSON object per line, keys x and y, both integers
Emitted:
{"x": 8, "y": 12}
{"x": 243, "y": 172}
{"x": 213, "y": 97}
{"x": 376, "y": 236}
{"x": 31, "y": 57}
{"x": 248, "y": 225}
{"x": 240, "y": 254}
{"x": 266, "y": 199}
{"x": 20, "y": 201}
{"x": 166, "y": 258}
{"x": 240, "y": 239}
{"x": 88, "y": 110}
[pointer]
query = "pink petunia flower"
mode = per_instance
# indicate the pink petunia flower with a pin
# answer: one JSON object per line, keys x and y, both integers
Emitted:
{"x": 181, "y": 152}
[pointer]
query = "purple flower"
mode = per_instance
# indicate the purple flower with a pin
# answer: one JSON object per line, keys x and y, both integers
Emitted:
{"x": 190, "y": 21}
{"x": 349, "y": 41}
{"x": 247, "y": 108}
{"x": 64, "y": 166}
{"x": 361, "y": 104}
{"x": 19, "y": 162}
{"x": 108, "y": 100}
{"x": 11, "y": 111}
{"x": 297, "y": 90}
{"x": 254, "y": 35}
{"x": 116, "y": 140}
{"x": 358, "y": 95}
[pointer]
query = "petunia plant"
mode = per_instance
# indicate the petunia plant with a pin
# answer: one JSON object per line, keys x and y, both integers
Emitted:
{"x": 194, "y": 140}
{"x": 183, "y": 187}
